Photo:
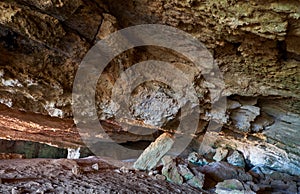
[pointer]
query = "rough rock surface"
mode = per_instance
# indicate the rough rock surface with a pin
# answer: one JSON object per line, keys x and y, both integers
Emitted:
{"x": 236, "y": 159}
{"x": 154, "y": 152}
{"x": 255, "y": 44}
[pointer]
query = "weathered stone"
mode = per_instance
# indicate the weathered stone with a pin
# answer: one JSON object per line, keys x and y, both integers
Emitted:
{"x": 243, "y": 117}
{"x": 153, "y": 172}
{"x": 261, "y": 122}
{"x": 154, "y": 152}
{"x": 76, "y": 170}
{"x": 255, "y": 45}
{"x": 160, "y": 177}
{"x": 123, "y": 169}
{"x": 221, "y": 153}
{"x": 220, "y": 171}
{"x": 170, "y": 170}
{"x": 195, "y": 158}
{"x": 185, "y": 172}
{"x": 197, "y": 180}
{"x": 264, "y": 154}
{"x": 232, "y": 104}
{"x": 95, "y": 166}
{"x": 236, "y": 159}
{"x": 230, "y": 186}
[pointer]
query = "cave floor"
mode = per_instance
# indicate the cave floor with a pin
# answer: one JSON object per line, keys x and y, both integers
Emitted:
{"x": 78, "y": 176}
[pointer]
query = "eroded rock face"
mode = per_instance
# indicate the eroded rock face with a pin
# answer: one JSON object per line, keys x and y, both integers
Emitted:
{"x": 254, "y": 44}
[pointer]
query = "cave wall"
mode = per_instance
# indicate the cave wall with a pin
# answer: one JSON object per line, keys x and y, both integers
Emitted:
{"x": 255, "y": 44}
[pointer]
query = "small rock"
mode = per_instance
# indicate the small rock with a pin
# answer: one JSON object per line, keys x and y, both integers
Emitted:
{"x": 154, "y": 152}
{"x": 236, "y": 159}
{"x": 40, "y": 191}
{"x": 229, "y": 186}
{"x": 196, "y": 159}
{"x": 123, "y": 169}
{"x": 197, "y": 181}
{"x": 160, "y": 177}
{"x": 117, "y": 171}
{"x": 221, "y": 153}
{"x": 16, "y": 190}
{"x": 76, "y": 170}
{"x": 193, "y": 157}
{"x": 152, "y": 172}
{"x": 31, "y": 184}
{"x": 95, "y": 166}
{"x": 170, "y": 170}
{"x": 185, "y": 172}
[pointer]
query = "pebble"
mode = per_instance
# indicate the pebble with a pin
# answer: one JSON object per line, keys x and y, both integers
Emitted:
{"x": 95, "y": 166}
{"x": 152, "y": 172}
{"x": 160, "y": 177}
{"x": 76, "y": 170}
{"x": 124, "y": 169}
{"x": 16, "y": 190}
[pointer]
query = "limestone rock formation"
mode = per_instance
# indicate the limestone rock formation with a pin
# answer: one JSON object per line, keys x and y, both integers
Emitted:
{"x": 254, "y": 44}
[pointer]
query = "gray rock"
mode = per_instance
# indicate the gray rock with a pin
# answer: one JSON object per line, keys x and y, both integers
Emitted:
{"x": 95, "y": 166}
{"x": 123, "y": 169}
{"x": 154, "y": 107}
{"x": 167, "y": 160}
{"x": 154, "y": 152}
{"x": 221, "y": 153}
{"x": 236, "y": 159}
{"x": 196, "y": 159}
{"x": 247, "y": 100}
{"x": 221, "y": 171}
{"x": 170, "y": 170}
{"x": 16, "y": 190}
{"x": 160, "y": 177}
{"x": 261, "y": 122}
{"x": 152, "y": 172}
{"x": 185, "y": 172}
{"x": 232, "y": 104}
{"x": 197, "y": 181}
{"x": 231, "y": 186}
{"x": 243, "y": 116}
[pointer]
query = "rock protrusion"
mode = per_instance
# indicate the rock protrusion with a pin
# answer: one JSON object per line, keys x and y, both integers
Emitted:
{"x": 154, "y": 152}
